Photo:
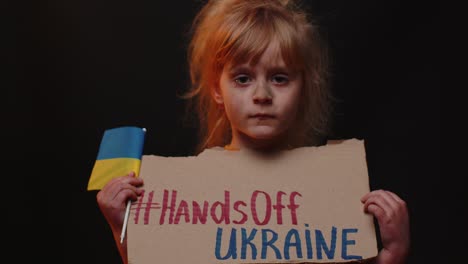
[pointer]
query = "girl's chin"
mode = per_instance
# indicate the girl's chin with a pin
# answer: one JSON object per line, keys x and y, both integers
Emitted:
{"x": 264, "y": 133}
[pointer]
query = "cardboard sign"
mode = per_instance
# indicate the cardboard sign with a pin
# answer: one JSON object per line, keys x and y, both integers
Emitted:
{"x": 295, "y": 206}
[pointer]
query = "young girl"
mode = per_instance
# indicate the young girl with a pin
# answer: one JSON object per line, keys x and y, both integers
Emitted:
{"x": 259, "y": 79}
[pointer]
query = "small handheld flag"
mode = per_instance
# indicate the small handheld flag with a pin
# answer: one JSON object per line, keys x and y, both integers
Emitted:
{"x": 119, "y": 153}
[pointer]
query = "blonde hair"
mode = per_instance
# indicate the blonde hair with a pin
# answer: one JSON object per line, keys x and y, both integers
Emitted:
{"x": 237, "y": 31}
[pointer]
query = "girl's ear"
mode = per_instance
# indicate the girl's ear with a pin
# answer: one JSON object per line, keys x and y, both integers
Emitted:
{"x": 217, "y": 96}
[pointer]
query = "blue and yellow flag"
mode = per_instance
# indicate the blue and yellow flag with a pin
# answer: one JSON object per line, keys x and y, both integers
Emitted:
{"x": 119, "y": 154}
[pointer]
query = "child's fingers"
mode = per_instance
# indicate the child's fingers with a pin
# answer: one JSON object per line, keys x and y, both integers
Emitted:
{"x": 376, "y": 211}
{"x": 373, "y": 193}
{"x": 366, "y": 196}
{"x": 401, "y": 209}
{"x": 125, "y": 187}
{"x": 130, "y": 178}
{"x": 396, "y": 197}
{"x": 392, "y": 209}
{"x": 123, "y": 196}
{"x": 369, "y": 195}
{"x": 380, "y": 204}
{"x": 393, "y": 195}
{"x": 391, "y": 201}
{"x": 392, "y": 216}
{"x": 398, "y": 205}
{"x": 378, "y": 198}
{"x": 112, "y": 189}
{"x": 119, "y": 200}
{"x": 122, "y": 185}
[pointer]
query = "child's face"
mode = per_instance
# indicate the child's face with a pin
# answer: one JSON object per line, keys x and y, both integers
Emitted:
{"x": 261, "y": 101}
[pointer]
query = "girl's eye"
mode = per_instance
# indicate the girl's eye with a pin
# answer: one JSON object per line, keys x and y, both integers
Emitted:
{"x": 242, "y": 79}
{"x": 280, "y": 79}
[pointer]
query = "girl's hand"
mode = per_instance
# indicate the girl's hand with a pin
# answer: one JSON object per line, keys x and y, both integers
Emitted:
{"x": 392, "y": 215}
{"x": 112, "y": 199}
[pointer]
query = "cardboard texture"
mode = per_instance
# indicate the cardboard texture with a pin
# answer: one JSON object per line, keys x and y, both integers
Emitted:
{"x": 295, "y": 206}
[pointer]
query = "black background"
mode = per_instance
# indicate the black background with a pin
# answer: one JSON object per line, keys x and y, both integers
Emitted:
{"x": 76, "y": 68}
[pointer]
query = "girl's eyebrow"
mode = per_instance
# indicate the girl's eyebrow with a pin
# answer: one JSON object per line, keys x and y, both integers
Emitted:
{"x": 272, "y": 69}
{"x": 239, "y": 68}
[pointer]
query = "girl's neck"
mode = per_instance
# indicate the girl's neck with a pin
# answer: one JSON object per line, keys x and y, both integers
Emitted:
{"x": 242, "y": 141}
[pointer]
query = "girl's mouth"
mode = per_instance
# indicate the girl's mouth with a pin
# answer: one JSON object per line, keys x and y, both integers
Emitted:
{"x": 262, "y": 116}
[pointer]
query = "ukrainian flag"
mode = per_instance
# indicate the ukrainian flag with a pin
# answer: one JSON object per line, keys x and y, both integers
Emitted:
{"x": 119, "y": 153}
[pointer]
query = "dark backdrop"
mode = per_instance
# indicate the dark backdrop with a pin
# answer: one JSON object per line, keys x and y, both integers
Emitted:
{"x": 76, "y": 68}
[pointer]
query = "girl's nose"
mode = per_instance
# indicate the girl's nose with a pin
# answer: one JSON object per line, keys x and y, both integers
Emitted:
{"x": 262, "y": 94}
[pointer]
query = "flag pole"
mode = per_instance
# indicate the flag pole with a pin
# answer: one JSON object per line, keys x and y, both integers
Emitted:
{"x": 127, "y": 213}
{"x": 124, "y": 227}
